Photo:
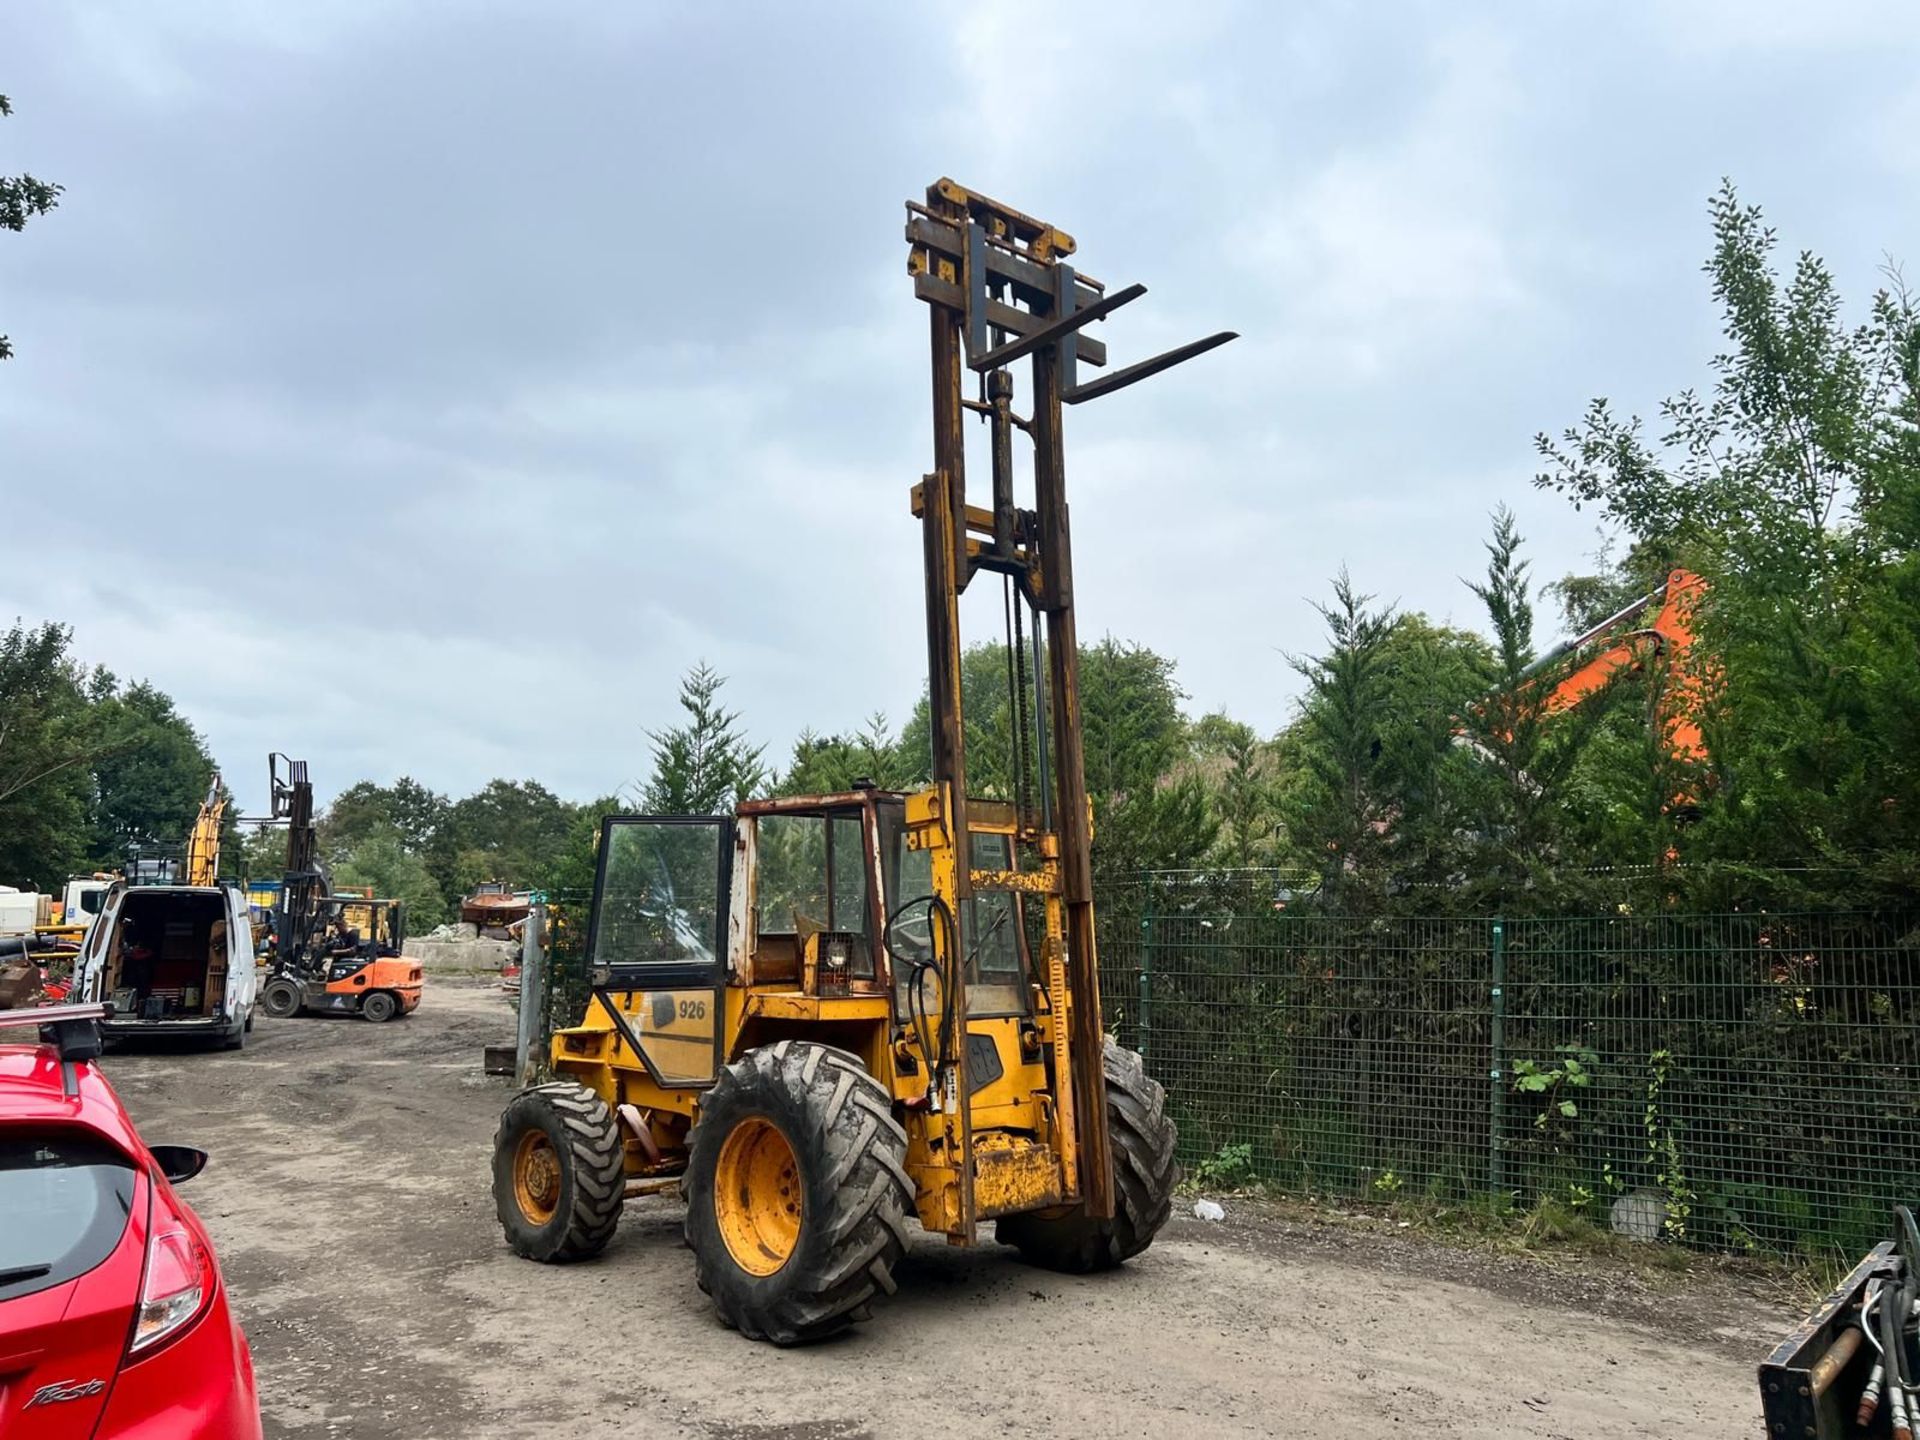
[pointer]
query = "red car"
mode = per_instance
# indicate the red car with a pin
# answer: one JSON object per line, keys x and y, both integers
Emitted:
{"x": 113, "y": 1318}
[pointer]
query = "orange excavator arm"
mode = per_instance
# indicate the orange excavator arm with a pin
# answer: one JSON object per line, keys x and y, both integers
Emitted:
{"x": 1669, "y": 634}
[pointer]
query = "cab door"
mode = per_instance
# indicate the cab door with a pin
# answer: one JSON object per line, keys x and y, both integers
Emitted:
{"x": 657, "y": 939}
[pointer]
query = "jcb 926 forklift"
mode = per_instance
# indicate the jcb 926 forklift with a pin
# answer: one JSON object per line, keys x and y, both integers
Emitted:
{"x": 820, "y": 1016}
{"x": 332, "y": 954}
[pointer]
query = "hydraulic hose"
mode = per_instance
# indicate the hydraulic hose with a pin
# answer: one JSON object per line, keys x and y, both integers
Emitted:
{"x": 1886, "y": 1316}
{"x": 1889, "y": 1318}
{"x": 938, "y": 1056}
{"x": 1877, "y": 1379}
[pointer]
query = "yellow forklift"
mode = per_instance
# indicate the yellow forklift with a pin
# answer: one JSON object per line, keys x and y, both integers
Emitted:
{"x": 817, "y": 1017}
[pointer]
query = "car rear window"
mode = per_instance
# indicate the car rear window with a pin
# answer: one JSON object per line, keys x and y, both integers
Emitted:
{"x": 66, "y": 1200}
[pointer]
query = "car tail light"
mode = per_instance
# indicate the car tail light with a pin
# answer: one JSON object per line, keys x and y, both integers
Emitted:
{"x": 178, "y": 1283}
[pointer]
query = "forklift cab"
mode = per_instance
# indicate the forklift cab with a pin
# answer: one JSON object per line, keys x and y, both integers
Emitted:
{"x": 355, "y": 930}
{"x": 820, "y": 919}
{"x": 824, "y": 899}
{"x": 999, "y": 965}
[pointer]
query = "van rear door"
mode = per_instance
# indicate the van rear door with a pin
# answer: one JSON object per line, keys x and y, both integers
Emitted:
{"x": 241, "y": 979}
{"x": 89, "y": 972}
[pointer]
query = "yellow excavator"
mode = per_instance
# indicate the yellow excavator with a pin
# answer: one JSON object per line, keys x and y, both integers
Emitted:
{"x": 820, "y": 1016}
{"x": 203, "y": 841}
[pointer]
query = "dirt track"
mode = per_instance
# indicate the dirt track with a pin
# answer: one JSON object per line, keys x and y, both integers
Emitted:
{"x": 348, "y": 1196}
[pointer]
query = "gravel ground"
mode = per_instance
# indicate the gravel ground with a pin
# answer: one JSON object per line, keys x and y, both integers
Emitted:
{"x": 348, "y": 1196}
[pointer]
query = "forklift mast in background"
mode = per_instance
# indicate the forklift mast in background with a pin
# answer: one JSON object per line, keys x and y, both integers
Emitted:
{"x": 312, "y": 973}
{"x": 999, "y": 290}
{"x": 305, "y": 886}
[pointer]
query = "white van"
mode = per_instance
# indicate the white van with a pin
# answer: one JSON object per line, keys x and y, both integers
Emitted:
{"x": 174, "y": 960}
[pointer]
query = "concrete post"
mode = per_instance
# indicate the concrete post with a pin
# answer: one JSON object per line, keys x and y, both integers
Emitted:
{"x": 533, "y": 991}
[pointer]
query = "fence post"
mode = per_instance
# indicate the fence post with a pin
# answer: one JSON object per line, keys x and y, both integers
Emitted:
{"x": 533, "y": 989}
{"x": 1497, "y": 1078}
{"x": 1146, "y": 972}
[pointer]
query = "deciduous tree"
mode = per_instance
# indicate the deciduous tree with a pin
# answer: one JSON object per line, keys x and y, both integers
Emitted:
{"x": 22, "y": 197}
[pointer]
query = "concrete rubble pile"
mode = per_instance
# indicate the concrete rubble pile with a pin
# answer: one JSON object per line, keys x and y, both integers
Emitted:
{"x": 461, "y": 947}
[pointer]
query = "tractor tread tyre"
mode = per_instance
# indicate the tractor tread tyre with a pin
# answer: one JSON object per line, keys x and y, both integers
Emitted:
{"x": 851, "y": 1155}
{"x": 592, "y": 1172}
{"x": 281, "y": 999}
{"x": 1144, "y": 1176}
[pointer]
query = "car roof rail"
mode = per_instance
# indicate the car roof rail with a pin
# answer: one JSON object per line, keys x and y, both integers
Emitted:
{"x": 73, "y": 1030}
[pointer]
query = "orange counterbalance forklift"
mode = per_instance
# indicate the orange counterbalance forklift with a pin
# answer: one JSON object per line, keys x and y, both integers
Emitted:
{"x": 333, "y": 954}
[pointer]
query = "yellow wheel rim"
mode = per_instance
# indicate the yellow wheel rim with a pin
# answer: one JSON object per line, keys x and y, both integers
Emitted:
{"x": 536, "y": 1177}
{"x": 756, "y": 1196}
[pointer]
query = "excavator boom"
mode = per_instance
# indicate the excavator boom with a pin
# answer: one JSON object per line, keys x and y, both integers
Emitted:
{"x": 203, "y": 841}
{"x": 1668, "y": 635}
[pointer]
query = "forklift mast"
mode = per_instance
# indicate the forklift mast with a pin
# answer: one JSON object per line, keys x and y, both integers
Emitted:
{"x": 1000, "y": 290}
{"x": 305, "y": 887}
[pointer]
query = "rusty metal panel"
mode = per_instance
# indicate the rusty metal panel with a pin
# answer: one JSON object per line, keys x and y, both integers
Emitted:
{"x": 1029, "y": 882}
{"x": 1793, "y": 1405}
{"x": 1012, "y": 1175}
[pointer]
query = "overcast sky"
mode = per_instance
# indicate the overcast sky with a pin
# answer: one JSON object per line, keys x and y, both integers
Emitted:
{"x": 422, "y": 388}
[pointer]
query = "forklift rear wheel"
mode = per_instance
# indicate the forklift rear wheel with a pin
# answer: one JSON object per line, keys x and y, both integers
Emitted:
{"x": 379, "y": 1007}
{"x": 1144, "y": 1175}
{"x": 558, "y": 1172}
{"x": 797, "y": 1192}
{"x": 281, "y": 999}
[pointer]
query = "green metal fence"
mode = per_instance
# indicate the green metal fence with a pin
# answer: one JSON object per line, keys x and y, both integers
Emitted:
{"x": 1744, "y": 1082}
{"x": 565, "y": 985}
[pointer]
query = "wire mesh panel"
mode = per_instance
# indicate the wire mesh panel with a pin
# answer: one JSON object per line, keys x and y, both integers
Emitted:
{"x": 1743, "y": 1082}
{"x": 566, "y": 983}
{"x": 1325, "y": 1054}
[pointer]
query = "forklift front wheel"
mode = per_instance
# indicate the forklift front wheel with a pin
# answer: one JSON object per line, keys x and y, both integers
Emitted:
{"x": 281, "y": 999}
{"x": 1144, "y": 1176}
{"x": 797, "y": 1192}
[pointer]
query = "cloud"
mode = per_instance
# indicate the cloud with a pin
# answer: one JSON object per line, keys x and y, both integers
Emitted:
{"x": 424, "y": 389}
{"x": 1393, "y": 242}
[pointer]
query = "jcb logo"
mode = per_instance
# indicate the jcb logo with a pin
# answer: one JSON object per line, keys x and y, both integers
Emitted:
{"x": 65, "y": 1390}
